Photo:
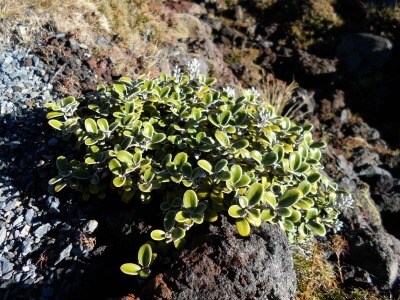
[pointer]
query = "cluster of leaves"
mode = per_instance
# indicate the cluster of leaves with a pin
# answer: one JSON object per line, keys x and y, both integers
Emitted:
{"x": 198, "y": 152}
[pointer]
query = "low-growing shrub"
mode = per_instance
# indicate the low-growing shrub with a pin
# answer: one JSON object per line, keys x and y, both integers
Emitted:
{"x": 199, "y": 152}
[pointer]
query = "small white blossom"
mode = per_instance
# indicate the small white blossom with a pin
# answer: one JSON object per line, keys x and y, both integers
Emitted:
{"x": 193, "y": 68}
{"x": 229, "y": 91}
{"x": 177, "y": 73}
{"x": 252, "y": 91}
{"x": 344, "y": 201}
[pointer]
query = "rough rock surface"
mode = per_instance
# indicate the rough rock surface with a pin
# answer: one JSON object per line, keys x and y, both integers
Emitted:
{"x": 222, "y": 265}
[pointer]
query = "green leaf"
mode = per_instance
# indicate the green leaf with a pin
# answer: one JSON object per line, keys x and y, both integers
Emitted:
{"x": 305, "y": 187}
{"x": 279, "y": 151}
{"x": 148, "y": 130}
{"x": 120, "y": 88}
{"x": 130, "y": 269}
{"x": 205, "y": 165}
{"x": 158, "y": 235}
{"x": 223, "y": 175}
{"x": 290, "y": 197}
{"x": 235, "y": 211}
{"x": 303, "y": 204}
{"x": 244, "y": 181}
{"x": 182, "y": 217}
{"x": 318, "y": 145}
{"x": 270, "y": 158}
{"x": 54, "y": 114}
{"x": 295, "y": 216}
{"x": 214, "y": 119}
{"x": 210, "y": 81}
{"x": 225, "y": 117}
{"x": 158, "y": 137}
{"x": 190, "y": 200}
{"x": 284, "y": 212}
{"x": 145, "y": 255}
{"x": 255, "y": 193}
{"x": 236, "y": 173}
{"x": 220, "y": 165}
{"x": 125, "y": 156}
{"x": 288, "y": 225}
{"x": 314, "y": 177}
{"x": 294, "y": 160}
{"x": 304, "y": 167}
{"x": 103, "y": 124}
{"x": 62, "y": 163}
{"x": 240, "y": 144}
{"x": 119, "y": 181}
{"x": 169, "y": 220}
{"x": 145, "y": 187}
{"x": 164, "y": 92}
{"x": 59, "y": 186}
{"x": 243, "y": 227}
{"x": 243, "y": 202}
{"x": 318, "y": 228}
{"x": 115, "y": 167}
{"x": 267, "y": 214}
{"x": 256, "y": 155}
{"x": 144, "y": 273}
{"x": 56, "y": 124}
{"x": 177, "y": 234}
{"x": 180, "y": 159}
{"x": 270, "y": 198}
{"x": 222, "y": 138}
{"x": 91, "y": 126}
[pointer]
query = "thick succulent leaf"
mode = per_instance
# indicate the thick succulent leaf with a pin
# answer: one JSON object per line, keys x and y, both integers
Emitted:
{"x": 225, "y": 117}
{"x": 190, "y": 200}
{"x": 201, "y": 207}
{"x": 59, "y": 186}
{"x": 267, "y": 214}
{"x": 314, "y": 177}
{"x": 91, "y": 126}
{"x": 284, "y": 211}
{"x": 294, "y": 160}
{"x": 169, "y": 220}
{"x": 145, "y": 255}
{"x": 235, "y": 211}
{"x": 240, "y": 144}
{"x": 255, "y": 193}
{"x": 318, "y": 145}
{"x": 311, "y": 214}
{"x": 220, "y": 165}
{"x": 222, "y": 138}
{"x": 288, "y": 225}
{"x": 145, "y": 187}
{"x": 144, "y": 273}
{"x": 62, "y": 163}
{"x": 119, "y": 181}
{"x": 243, "y": 227}
{"x": 56, "y": 124}
{"x": 120, "y": 88}
{"x": 125, "y": 156}
{"x": 182, "y": 216}
{"x": 177, "y": 234}
{"x": 187, "y": 170}
{"x": 180, "y": 159}
{"x": 243, "y": 202}
{"x": 157, "y": 235}
{"x": 318, "y": 228}
{"x": 130, "y": 269}
{"x": 197, "y": 218}
{"x": 164, "y": 92}
{"x": 236, "y": 173}
{"x": 270, "y": 198}
{"x": 305, "y": 187}
{"x": 214, "y": 119}
{"x": 256, "y": 155}
{"x": 244, "y": 181}
{"x": 210, "y": 81}
{"x": 205, "y": 165}
{"x": 295, "y": 216}
{"x": 303, "y": 204}
{"x": 148, "y": 130}
{"x": 210, "y": 216}
{"x": 54, "y": 114}
{"x": 290, "y": 197}
{"x": 158, "y": 138}
{"x": 270, "y": 158}
{"x": 224, "y": 175}
{"x": 115, "y": 166}
{"x": 103, "y": 125}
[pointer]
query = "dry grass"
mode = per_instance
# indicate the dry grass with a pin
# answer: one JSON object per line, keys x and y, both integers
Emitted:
{"x": 279, "y": 94}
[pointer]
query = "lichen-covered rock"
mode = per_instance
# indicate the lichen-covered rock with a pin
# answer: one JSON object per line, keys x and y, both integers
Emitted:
{"x": 221, "y": 265}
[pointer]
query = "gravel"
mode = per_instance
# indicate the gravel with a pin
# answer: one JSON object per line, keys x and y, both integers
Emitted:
{"x": 37, "y": 230}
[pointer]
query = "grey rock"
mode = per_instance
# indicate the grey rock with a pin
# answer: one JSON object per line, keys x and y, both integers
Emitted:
{"x": 42, "y": 230}
{"x": 47, "y": 292}
{"x": 5, "y": 265}
{"x": 29, "y": 215}
{"x": 7, "y": 61}
{"x": 90, "y": 226}
{"x": 3, "y": 233}
{"x": 64, "y": 254}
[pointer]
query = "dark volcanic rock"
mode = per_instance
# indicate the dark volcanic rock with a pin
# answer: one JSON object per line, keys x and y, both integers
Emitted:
{"x": 222, "y": 265}
{"x": 363, "y": 53}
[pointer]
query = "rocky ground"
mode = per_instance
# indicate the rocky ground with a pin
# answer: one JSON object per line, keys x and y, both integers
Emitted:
{"x": 58, "y": 247}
